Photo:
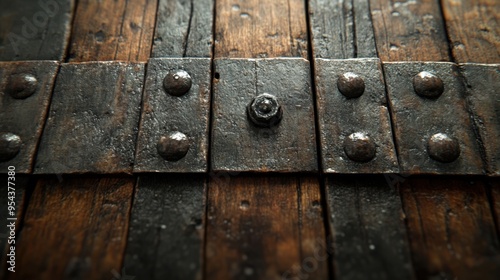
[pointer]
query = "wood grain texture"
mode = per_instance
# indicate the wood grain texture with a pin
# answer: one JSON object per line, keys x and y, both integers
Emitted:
{"x": 495, "y": 200}
{"x": 451, "y": 228}
{"x": 35, "y": 29}
{"x": 184, "y": 28}
{"x": 264, "y": 227}
{"x": 409, "y": 30}
{"x": 113, "y": 30}
{"x": 473, "y": 30}
{"x": 167, "y": 228}
{"x": 260, "y": 28}
{"x": 77, "y": 227}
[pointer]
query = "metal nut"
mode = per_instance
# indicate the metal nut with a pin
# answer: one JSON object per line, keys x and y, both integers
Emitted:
{"x": 174, "y": 146}
{"x": 443, "y": 148}
{"x": 10, "y": 145}
{"x": 264, "y": 110}
{"x": 177, "y": 83}
{"x": 351, "y": 85}
{"x": 428, "y": 85}
{"x": 359, "y": 147}
{"x": 21, "y": 86}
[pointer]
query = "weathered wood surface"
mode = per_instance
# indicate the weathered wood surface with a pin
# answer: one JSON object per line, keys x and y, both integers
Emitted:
{"x": 184, "y": 28}
{"x": 473, "y": 30}
{"x": 23, "y": 114}
{"x": 76, "y": 226}
{"x": 113, "y": 30}
{"x": 260, "y": 28}
{"x": 35, "y": 30}
{"x": 166, "y": 231}
{"x": 93, "y": 120}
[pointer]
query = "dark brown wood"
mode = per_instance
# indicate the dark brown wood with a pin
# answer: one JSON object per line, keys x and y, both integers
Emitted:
{"x": 409, "y": 30}
{"x": 113, "y": 30}
{"x": 451, "y": 228}
{"x": 77, "y": 227}
{"x": 34, "y": 30}
{"x": 260, "y": 28}
{"x": 167, "y": 228}
{"x": 494, "y": 184}
{"x": 93, "y": 120}
{"x": 25, "y": 117}
{"x": 264, "y": 227}
{"x": 473, "y": 30}
{"x": 184, "y": 28}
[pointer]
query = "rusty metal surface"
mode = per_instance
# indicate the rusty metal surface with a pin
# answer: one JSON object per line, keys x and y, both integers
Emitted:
{"x": 25, "y": 91}
{"x": 166, "y": 117}
{"x": 237, "y": 143}
{"x": 354, "y": 124}
{"x": 93, "y": 120}
{"x": 426, "y": 128}
{"x": 483, "y": 93}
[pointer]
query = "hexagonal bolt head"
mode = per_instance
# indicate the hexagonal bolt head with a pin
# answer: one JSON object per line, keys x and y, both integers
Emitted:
{"x": 443, "y": 148}
{"x": 174, "y": 146}
{"x": 21, "y": 86}
{"x": 359, "y": 147}
{"x": 177, "y": 83}
{"x": 351, "y": 85}
{"x": 265, "y": 111}
{"x": 428, "y": 85}
{"x": 10, "y": 145}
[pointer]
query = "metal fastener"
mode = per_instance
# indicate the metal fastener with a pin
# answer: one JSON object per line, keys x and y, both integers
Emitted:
{"x": 443, "y": 148}
{"x": 359, "y": 147}
{"x": 177, "y": 83}
{"x": 21, "y": 86}
{"x": 428, "y": 85}
{"x": 10, "y": 145}
{"x": 174, "y": 146}
{"x": 264, "y": 110}
{"x": 351, "y": 85}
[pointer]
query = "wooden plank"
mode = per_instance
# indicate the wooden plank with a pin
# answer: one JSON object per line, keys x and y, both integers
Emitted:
{"x": 473, "y": 30}
{"x": 260, "y": 28}
{"x": 409, "y": 30}
{"x": 167, "y": 228}
{"x": 34, "y": 30}
{"x": 78, "y": 228}
{"x": 451, "y": 228}
{"x": 494, "y": 184}
{"x": 264, "y": 227}
{"x": 184, "y": 29}
{"x": 113, "y": 30}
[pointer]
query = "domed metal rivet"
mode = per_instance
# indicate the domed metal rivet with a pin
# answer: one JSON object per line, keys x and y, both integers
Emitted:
{"x": 264, "y": 110}
{"x": 177, "y": 83}
{"x": 359, "y": 147}
{"x": 351, "y": 85}
{"x": 174, "y": 146}
{"x": 22, "y": 86}
{"x": 443, "y": 148}
{"x": 428, "y": 85}
{"x": 10, "y": 144}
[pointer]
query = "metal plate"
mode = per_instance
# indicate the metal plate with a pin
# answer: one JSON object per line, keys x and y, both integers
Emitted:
{"x": 93, "y": 120}
{"x": 417, "y": 118}
{"x": 339, "y": 116}
{"x": 164, "y": 113}
{"x": 239, "y": 145}
{"x": 25, "y": 117}
{"x": 483, "y": 91}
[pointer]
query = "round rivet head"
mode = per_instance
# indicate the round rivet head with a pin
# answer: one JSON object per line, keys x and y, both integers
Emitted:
{"x": 174, "y": 146}
{"x": 351, "y": 85}
{"x": 10, "y": 144}
{"x": 359, "y": 147}
{"x": 177, "y": 83}
{"x": 443, "y": 148}
{"x": 22, "y": 86}
{"x": 264, "y": 110}
{"x": 428, "y": 85}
